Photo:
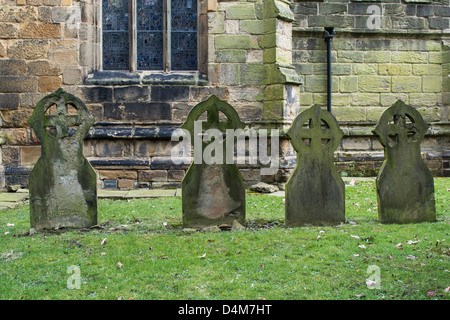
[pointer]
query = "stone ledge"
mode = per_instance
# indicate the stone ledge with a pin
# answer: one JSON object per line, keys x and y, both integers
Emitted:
{"x": 106, "y": 77}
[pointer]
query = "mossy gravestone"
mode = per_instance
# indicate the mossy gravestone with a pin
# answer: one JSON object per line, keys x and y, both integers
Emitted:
{"x": 212, "y": 193}
{"x": 405, "y": 187}
{"x": 315, "y": 191}
{"x": 63, "y": 185}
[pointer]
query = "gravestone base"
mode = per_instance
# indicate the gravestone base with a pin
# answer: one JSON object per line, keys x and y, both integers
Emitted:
{"x": 316, "y": 199}
{"x": 213, "y": 195}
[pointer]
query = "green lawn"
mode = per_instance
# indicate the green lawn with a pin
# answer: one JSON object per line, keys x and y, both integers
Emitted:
{"x": 147, "y": 254}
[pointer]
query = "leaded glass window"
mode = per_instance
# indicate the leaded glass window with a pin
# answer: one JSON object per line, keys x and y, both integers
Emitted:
{"x": 115, "y": 35}
{"x": 150, "y": 35}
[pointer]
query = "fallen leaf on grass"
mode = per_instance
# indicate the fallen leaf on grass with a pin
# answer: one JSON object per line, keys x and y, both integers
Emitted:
{"x": 103, "y": 241}
{"x": 103, "y": 253}
{"x": 411, "y": 257}
{"x": 202, "y": 256}
{"x": 362, "y": 246}
{"x": 10, "y": 225}
{"x": 119, "y": 265}
{"x": 431, "y": 293}
{"x": 447, "y": 289}
{"x": 399, "y": 245}
{"x": 362, "y": 295}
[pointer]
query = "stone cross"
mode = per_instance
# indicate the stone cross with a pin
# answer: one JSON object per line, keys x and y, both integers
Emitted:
{"x": 315, "y": 190}
{"x": 62, "y": 184}
{"x": 405, "y": 186}
{"x": 212, "y": 194}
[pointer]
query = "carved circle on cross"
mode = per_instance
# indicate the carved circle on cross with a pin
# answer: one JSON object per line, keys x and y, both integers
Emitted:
{"x": 213, "y": 106}
{"x": 315, "y": 130}
{"x": 400, "y": 125}
{"x": 57, "y": 123}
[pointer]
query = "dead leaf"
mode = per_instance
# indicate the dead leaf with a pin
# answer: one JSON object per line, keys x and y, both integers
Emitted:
{"x": 411, "y": 257}
{"x": 202, "y": 256}
{"x": 119, "y": 265}
{"x": 103, "y": 241}
{"x": 362, "y": 295}
{"x": 362, "y": 246}
{"x": 164, "y": 257}
{"x": 399, "y": 245}
{"x": 102, "y": 253}
{"x": 354, "y": 237}
{"x": 431, "y": 293}
{"x": 319, "y": 237}
{"x": 447, "y": 289}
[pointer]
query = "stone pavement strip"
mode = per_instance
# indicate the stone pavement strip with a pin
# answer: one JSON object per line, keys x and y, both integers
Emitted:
{"x": 9, "y": 200}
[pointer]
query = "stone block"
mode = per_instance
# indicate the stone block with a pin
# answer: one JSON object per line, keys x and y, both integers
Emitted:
{"x": 9, "y": 101}
{"x": 409, "y": 57}
{"x": 374, "y": 83}
{"x": 348, "y": 84}
{"x": 234, "y": 42}
{"x": 49, "y": 83}
{"x": 395, "y": 69}
{"x": 175, "y": 175}
{"x": 131, "y": 93}
{"x": 96, "y": 94}
{"x": 137, "y": 111}
{"x": 406, "y": 84}
{"x": 238, "y": 11}
{"x": 426, "y": 69}
{"x": 9, "y": 31}
{"x": 231, "y": 55}
{"x": 117, "y": 174}
{"x": 152, "y": 175}
{"x": 378, "y": 57}
{"x": 169, "y": 93}
{"x": 35, "y": 30}
{"x": 125, "y": 184}
{"x": 42, "y": 68}
{"x": 13, "y": 67}
{"x": 72, "y": 75}
{"x": 11, "y": 84}
{"x": 29, "y": 155}
{"x": 431, "y": 84}
{"x": 252, "y": 26}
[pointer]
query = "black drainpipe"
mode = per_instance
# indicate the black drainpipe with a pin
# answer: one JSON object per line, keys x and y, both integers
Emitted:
{"x": 328, "y": 35}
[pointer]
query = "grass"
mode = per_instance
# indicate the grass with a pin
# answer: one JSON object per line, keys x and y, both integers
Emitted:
{"x": 147, "y": 254}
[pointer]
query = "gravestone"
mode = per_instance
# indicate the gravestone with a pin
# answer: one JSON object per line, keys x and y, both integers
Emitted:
{"x": 405, "y": 187}
{"x": 315, "y": 191}
{"x": 62, "y": 184}
{"x": 214, "y": 193}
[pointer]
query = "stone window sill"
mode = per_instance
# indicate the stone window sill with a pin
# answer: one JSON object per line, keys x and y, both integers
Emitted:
{"x": 145, "y": 77}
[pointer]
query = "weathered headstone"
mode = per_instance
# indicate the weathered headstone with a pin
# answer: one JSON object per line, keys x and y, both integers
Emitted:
{"x": 62, "y": 184}
{"x": 214, "y": 193}
{"x": 405, "y": 187}
{"x": 315, "y": 191}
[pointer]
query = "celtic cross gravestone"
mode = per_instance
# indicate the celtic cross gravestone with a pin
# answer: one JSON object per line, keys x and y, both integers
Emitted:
{"x": 315, "y": 191}
{"x": 213, "y": 193}
{"x": 62, "y": 184}
{"x": 405, "y": 187}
